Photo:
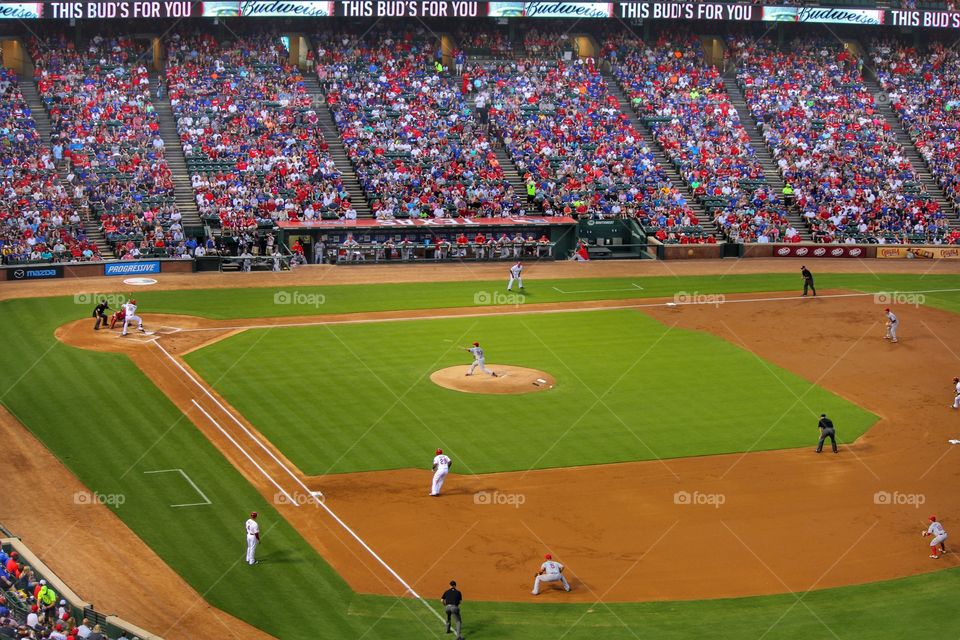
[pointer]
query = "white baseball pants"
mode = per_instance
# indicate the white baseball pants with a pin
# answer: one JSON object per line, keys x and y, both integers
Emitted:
{"x": 438, "y": 477}
{"x": 251, "y": 548}
{"x": 519, "y": 280}
{"x": 128, "y": 319}
{"x": 547, "y": 577}
{"x": 483, "y": 367}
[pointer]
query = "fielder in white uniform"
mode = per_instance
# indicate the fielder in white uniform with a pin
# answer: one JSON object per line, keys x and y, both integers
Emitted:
{"x": 130, "y": 314}
{"x": 956, "y": 397}
{"x": 550, "y": 571}
{"x": 515, "y": 271}
{"x": 253, "y": 538}
{"x": 478, "y": 360}
{"x": 939, "y": 535}
{"x": 892, "y": 324}
{"x": 441, "y": 466}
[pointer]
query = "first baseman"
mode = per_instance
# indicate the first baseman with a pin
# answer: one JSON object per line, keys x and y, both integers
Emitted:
{"x": 253, "y": 537}
{"x": 939, "y": 535}
{"x": 956, "y": 391}
{"x": 892, "y": 324}
{"x": 129, "y": 315}
{"x": 515, "y": 272}
{"x": 550, "y": 571}
{"x": 478, "y": 360}
{"x": 441, "y": 466}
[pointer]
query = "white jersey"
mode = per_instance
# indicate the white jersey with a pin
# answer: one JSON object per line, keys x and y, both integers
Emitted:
{"x": 477, "y": 352}
{"x": 129, "y": 309}
{"x": 936, "y": 529}
{"x": 958, "y": 388}
{"x": 551, "y": 568}
{"x": 252, "y": 527}
{"x": 891, "y": 318}
{"x": 441, "y": 462}
{"x": 515, "y": 270}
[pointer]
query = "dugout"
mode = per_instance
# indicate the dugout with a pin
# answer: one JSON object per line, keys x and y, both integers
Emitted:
{"x": 616, "y": 238}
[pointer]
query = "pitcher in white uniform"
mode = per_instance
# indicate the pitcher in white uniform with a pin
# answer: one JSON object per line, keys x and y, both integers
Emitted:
{"x": 253, "y": 537}
{"x": 130, "y": 315}
{"x": 441, "y": 466}
{"x": 515, "y": 272}
{"x": 550, "y": 571}
{"x": 939, "y": 535}
{"x": 479, "y": 360}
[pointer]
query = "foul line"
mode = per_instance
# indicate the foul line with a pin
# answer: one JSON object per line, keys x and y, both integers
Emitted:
{"x": 639, "y": 305}
{"x": 192, "y": 484}
{"x": 312, "y": 494}
{"x": 634, "y": 286}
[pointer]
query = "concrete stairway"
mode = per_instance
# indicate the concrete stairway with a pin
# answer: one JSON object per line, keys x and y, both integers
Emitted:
{"x": 917, "y": 162}
{"x": 176, "y": 161}
{"x": 513, "y": 177}
{"x": 91, "y": 227}
{"x": 337, "y": 151}
{"x": 770, "y": 170}
{"x": 705, "y": 221}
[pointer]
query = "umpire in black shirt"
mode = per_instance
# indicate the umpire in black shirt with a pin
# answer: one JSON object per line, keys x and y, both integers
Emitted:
{"x": 807, "y": 280}
{"x": 100, "y": 313}
{"x": 451, "y": 600}
{"x": 826, "y": 431}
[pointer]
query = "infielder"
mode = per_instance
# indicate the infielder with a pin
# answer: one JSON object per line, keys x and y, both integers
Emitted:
{"x": 253, "y": 538}
{"x": 515, "y": 272}
{"x": 441, "y": 467}
{"x": 129, "y": 315}
{"x": 939, "y": 535}
{"x": 478, "y": 360}
{"x": 956, "y": 390}
{"x": 550, "y": 571}
{"x": 892, "y": 324}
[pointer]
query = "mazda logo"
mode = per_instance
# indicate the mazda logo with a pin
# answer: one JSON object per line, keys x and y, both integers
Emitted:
{"x": 19, "y": 273}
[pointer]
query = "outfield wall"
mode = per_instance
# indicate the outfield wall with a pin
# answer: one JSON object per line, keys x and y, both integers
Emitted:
{"x": 125, "y": 268}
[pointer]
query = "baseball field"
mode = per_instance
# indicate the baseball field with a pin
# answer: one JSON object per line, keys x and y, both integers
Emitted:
{"x": 668, "y": 463}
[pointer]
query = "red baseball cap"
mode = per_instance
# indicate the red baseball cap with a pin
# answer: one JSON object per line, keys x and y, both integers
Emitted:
{"x": 476, "y": 344}
{"x": 887, "y": 309}
{"x": 548, "y": 557}
{"x": 933, "y": 518}
{"x": 439, "y": 451}
{"x": 253, "y": 514}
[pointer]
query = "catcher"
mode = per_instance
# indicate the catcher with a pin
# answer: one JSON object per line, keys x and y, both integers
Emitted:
{"x": 550, "y": 571}
{"x": 118, "y": 316}
{"x": 939, "y": 535}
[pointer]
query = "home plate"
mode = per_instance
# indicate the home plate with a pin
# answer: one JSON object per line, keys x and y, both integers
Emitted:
{"x": 954, "y": 441}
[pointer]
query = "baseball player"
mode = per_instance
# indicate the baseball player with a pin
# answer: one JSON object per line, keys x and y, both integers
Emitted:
{"x": 550, "y": 571}
{"x": 956, "y": 390}
{"x": 253, "y": 538}
{"x": 478, "y": 360}
{"x": 892, "y": 324}
{"x": 939, "y": 535}
{"x": 100, "y": 313}
{"x": 130, "y": 315}
{"x": 117, "y": 317}
{"x": 441, "y": 466}
{"x": 515, "y": 272}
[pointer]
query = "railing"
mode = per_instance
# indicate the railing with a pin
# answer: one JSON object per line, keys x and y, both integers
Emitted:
{"x": 379, "y": 253}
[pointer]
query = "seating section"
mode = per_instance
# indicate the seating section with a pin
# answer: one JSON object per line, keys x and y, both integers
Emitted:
{"x": 924, "y": 90}
{"x": 98, "y": 98}
{"x": 683, "y": 101}
{"x": 576, "y": 151}
{"x": 38, "y": 222}
{"x": 252, "y": 139}
{"x": 417, "y": 148}
{"x": 852, "y": 180}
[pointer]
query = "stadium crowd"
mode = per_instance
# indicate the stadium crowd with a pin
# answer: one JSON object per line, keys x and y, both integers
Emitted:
{"x": 418, "y": 149}
{"x": 251, "y": 136}
{"x": 38, "y": 222}
{"x": 105, "y": 128}
{"x": 683, "y": 100}
{"x": 851, "y": 179}
{"x": 924, "y": 90}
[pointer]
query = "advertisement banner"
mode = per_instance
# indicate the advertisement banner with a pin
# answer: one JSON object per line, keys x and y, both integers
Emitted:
{"x": 121, "y": 10}
{"x": 426, "y": 222}
{"x": 551, "y": 9}
{"x": 410, "y": 9}
{"x": 822, "y": 251}
{"x": 717, "y": 11}
{"x": 131, "y": 268}
{"x": 21, "y": 10}
{"x": 35, "y": 273}
{"x": 268, "y": 9}
{"x": 823, "y": 15}
{"x": 923, "y": 253}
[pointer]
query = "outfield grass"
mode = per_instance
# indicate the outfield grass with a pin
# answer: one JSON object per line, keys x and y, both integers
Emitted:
{"x": 358, "y": 397}
{"x": 99, "y": 415}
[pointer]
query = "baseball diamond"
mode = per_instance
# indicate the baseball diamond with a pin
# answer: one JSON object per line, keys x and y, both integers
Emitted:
{"x": 587, "y": 320}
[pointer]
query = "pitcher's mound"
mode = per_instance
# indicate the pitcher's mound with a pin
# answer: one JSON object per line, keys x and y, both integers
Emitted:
{"x": 510, "y": 379}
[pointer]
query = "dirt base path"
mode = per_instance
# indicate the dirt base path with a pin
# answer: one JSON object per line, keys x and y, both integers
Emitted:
{"x": 717, "y": 526}
{"x": 95, "y": 553}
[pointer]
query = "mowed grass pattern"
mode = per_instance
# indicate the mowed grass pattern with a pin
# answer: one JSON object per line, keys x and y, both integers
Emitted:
{"x": 358, "y": 397}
